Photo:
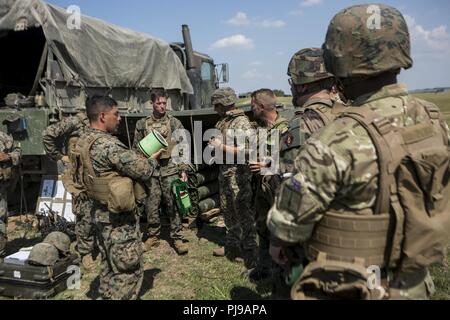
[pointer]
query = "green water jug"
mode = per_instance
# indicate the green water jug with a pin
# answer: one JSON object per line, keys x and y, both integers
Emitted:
{"x": 152, "y": 143}
{"x": 182, "y": 198}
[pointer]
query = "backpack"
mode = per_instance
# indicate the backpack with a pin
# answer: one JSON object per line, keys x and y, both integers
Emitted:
{"x": 414, "y": 188}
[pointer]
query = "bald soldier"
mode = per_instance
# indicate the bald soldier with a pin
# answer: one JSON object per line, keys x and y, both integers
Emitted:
{"x": 267, "y": 182}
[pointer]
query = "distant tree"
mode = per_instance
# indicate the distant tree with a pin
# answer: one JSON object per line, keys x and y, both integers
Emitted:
{"x": 278, "y": 93}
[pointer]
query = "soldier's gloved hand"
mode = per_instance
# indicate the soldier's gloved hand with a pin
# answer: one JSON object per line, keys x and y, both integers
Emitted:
{"x": 4, "y": 157}
{"x": 157, "y": 155}
{"x": 184, "y": 176}
{"x": 276, "y": 252}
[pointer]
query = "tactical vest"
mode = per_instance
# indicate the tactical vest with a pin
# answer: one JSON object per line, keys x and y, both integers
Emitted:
{"x": 409, "y": 230}
{"x": 83, "y": 172}
{"x": 71, "y": 144}
{"x": 224, "y": 124}
{"x": 108, "y": 188}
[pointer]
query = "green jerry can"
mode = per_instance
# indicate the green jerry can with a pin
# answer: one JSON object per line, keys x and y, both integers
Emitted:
{"x": 182, "y": 198}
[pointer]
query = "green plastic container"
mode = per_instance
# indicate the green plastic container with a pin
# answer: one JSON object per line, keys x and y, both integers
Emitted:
{"x": 182, "y": 198}
{"x": 152, "y": 143}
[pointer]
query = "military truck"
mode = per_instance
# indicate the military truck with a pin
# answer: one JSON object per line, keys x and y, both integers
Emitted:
{"x": 52, "y": 60}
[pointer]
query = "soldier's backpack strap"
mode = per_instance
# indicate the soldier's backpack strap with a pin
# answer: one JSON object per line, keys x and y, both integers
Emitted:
{"x": 97, "y": 187}
{"x": 323, "y": 110}
{"x": 388, "y": 147}
{"x": 390, "y": 152}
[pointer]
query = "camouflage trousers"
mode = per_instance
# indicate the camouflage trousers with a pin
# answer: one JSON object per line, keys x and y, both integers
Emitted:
{"x": 84, "y": 226}
{"x": 120, "y": 245}
{"x": 236, "y": 207}
{"x": 160, "y": 194}
{"x": 3, "y": 220}
{"x": 264, "y": 199}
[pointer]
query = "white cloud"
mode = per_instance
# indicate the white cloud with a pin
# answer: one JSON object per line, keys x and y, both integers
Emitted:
{"x": 240, "y": 19}
{"x": 436, "y": 39}
{"x": 310, "y": 3}
{"x": 255, "y": 74}
{"x": 272, "y": 23}
{"x": 255, "y": 63}
{"x": 238, "y": 41}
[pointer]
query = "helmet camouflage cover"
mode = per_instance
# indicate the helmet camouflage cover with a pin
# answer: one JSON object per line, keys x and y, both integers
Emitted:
{"x": 60, "y": 240}
{"x": 366, "y": 40}
{"x": 224, "y": 96}
{"x": 307, "y": 66}
{"x": 43, "y": 254}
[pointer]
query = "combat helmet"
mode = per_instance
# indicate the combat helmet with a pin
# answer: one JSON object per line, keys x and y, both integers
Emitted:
{"x": 366, "y": 40}
{"x": 60, "y": 240}
{"x": 43, "y": 254}
{"x": 224, "y": 96}
{"x": 307, "y": 66}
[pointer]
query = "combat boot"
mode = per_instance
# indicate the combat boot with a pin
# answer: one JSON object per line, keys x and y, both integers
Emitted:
{"x": 151, "y": 242}
{"x": 181, "y": 247}
{"x": 88, "y": 262}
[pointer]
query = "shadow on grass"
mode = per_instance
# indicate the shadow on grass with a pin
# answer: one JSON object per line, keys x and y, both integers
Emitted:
{"x": 149, "y": 278}
{"x": 147, "y": 284}
{"x": 212, "y": 233}
{"x": 243, "y": 293}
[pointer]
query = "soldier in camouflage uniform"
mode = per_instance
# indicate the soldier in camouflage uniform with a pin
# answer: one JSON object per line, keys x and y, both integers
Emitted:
{"x": 10, "y": 155}
{"x": 66, "y": 132}
{"x": 160, "y": 186}
{"x": 267, "y": 183}
{"x": 102, "y": 155}
{"x": 313, "y": 91}
{"x": 234, "y": 182}
{"x": 334, "y": 194}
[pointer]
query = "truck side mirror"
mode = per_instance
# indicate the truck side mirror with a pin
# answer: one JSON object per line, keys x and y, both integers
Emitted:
{"x": 222, "y": 73}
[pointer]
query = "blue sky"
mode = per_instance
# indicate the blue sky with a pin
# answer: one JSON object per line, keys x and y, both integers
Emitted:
{"x": 257, "y": 38}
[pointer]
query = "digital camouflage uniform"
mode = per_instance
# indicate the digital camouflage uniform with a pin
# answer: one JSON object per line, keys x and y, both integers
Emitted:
{"x": 8, "y": 146}
{"x": 337, "y": 168}
{"x": 235, "y": 187}
{"x": 265, "y": 192}
{"x": 160, "y": 186}
{"x": 118, "y": 233}
{"x": 66, "y": 132}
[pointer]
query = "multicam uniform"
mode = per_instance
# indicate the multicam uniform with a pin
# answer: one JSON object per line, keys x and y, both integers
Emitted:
{"x": 371, "y": 189}
{"x": 160, "y": 186}
{"x": 118, "y": 233}
{"x": 236, "y": 195}
{"x": 266, "y": 188}
{"x": 67, "y": 131}
{"x": 8, "y": 146}
{"x": 307, "y": 68}
{"x": 334, "y": 176}
{"x": 315, "y": 114}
